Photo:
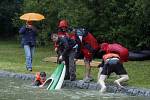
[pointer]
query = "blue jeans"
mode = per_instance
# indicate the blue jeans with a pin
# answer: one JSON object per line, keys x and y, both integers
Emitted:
{"x": 29, "y": 51}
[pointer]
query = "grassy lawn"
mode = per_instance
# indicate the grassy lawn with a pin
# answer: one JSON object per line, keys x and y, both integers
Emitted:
{"x": 12, "y": 59}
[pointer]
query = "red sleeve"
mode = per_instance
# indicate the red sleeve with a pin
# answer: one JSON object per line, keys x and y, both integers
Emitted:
{"x": 55, "y": 45}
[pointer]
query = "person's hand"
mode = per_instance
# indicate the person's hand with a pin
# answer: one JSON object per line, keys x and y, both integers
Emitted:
{"x": 63, "y": 62}
{"x": 56, "y": 49}
{"x": 60, "y": 57}
{"x": 40, "y": 86}
{"x": 75, "y": 59}
{"x": 29, "y": 26}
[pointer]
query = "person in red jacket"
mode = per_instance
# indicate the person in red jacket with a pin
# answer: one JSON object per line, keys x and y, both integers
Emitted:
{"x": 63, "y": 28}
{"x": 112, "y": 61}
{"x": 62, "y": 31}
{"x": 88, "y": 45}
{"x": 115, "y": 47}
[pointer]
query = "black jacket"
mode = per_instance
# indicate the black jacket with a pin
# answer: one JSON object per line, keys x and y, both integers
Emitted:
{"x": 65, "y": 44}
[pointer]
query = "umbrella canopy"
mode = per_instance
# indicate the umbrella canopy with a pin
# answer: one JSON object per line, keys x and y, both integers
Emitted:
{"x": 32, "y": 17}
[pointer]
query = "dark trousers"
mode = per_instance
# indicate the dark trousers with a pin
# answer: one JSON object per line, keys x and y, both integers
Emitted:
{"x": 70, "y": 65}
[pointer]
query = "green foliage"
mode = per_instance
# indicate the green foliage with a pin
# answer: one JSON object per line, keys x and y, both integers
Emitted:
{"x": 123, "y": 21}
{"x": 8, "y": 8}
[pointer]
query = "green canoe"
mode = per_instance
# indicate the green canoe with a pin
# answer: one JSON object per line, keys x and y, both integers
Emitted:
{"x": 56, "y": 79}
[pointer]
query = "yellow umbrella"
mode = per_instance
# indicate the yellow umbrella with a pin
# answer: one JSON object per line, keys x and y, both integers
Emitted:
{"x": 32, "y": 17}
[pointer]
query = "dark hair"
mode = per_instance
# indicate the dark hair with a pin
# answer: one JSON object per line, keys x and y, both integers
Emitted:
{"x": 42, "y": 74}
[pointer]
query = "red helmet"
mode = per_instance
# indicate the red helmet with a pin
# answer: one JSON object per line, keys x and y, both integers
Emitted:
{"x": 63, "y": 23}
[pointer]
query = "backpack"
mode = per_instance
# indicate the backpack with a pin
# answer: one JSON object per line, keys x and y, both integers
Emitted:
{"x": 88, "y": 40}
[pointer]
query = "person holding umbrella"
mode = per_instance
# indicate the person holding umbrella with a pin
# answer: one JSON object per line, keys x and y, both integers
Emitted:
{"x": 28, "y": 41}
{"x": 28, "y": 36}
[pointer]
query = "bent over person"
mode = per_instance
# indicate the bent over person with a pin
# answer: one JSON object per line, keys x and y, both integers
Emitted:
{"x": 112, "y": 62}
{"x": 62, "y": 30}
{"x": 66, "y": 50}
{"x": 88, "y": 45}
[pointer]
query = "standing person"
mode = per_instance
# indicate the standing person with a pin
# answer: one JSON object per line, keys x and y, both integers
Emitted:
{"x": 63, "y": 28}
{"x": 112, "y": 61}
{"x": 88, "y": 46}
{"x": 28, "y": 41}
{"x": 66, "y": 48}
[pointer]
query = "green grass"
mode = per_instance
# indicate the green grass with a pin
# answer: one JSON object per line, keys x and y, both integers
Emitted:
{"x": 12, "y": 59}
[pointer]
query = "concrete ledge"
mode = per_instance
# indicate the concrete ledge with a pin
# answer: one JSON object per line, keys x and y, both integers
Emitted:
{"x": 17, "y": 75}
{"x": 110, "y": 88}
{"x": 80, "y": 84}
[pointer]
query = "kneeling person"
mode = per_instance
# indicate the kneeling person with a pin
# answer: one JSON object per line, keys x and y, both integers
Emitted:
{"x": 112, "y": 63}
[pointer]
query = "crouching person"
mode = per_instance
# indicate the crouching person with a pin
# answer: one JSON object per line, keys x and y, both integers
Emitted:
{"x": 40, "y": 78}
{"x": 111, "y": 63}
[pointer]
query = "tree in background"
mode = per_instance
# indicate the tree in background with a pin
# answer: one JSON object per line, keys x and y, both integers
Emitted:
{"x": 123, "y": 21}
{"x": 8, "y": 8}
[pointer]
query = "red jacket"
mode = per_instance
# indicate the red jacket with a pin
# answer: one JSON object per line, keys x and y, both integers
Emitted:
{"x": 116, "y": 48}
{"x": 91, "y": 40}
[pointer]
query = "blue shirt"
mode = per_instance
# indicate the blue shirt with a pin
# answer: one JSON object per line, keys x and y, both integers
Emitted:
{"x": 28, "y": 35}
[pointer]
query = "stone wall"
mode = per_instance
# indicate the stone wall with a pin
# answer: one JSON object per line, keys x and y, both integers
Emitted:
{"x": 80, "y": 84}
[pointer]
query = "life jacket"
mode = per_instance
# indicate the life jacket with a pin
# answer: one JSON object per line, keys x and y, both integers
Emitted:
{"x": 66, "y": 43}
{"x": 110, "y": 55}
{"x": 60, "y": 34}
{"x": 39, "y": 79}
{"x": 119, "y": 49}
